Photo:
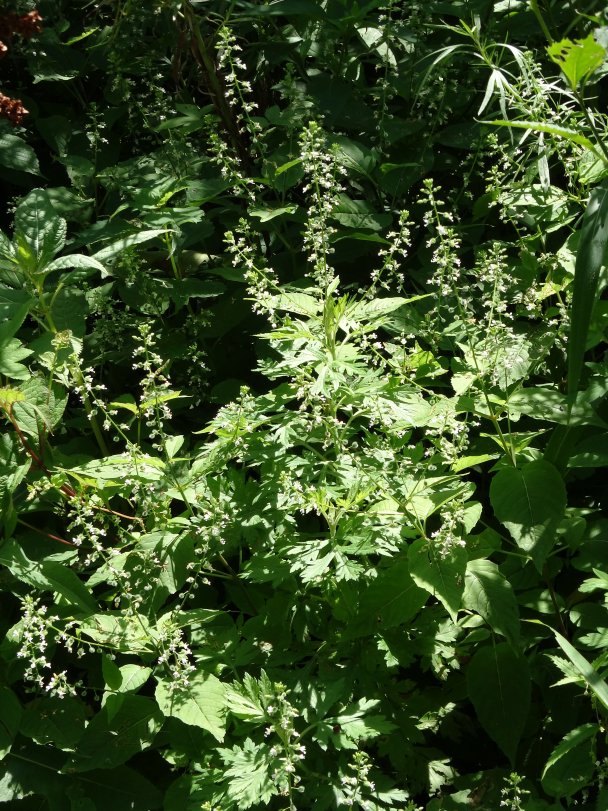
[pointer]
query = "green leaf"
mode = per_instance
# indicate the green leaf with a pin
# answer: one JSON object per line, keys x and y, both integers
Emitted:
{"x": 571, "y": 764}
{"x": 39, "y": 231}
{"x": 391, "y": 599}
{"x": 12, "y": 352}
{"x": 553, "y": 129}
{"x": 590, "y": 258}
{"x": 124, "y": 726}
{"x": 586, "y": 670}
{"x": 546, "y": 403}
{"x": 14, "y": 306}
{"x": 117, "y": 247}
{"x": 530, "y": 502}
{"x": 498, "y": 684}
{"x": 10, "y": 716}
{"x": 47, "y": 575}
{"x": 15, "y": 153}
{"x": 440, "y": 575}
{"x": 490, "y": 595}
{"x": 578, "y": 59}
{"x": 201, "y": 704}
{"x": 249, "y": 773}
{"x": 56, "y": 721}
{"x": 78, "y": 261}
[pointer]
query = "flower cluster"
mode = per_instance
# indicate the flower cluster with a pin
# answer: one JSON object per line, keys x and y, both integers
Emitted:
{"x": 513, "y": 794}
{"x": 12, "y": 109}
{"x": 262, "y": 283}
{"x": 282, "y": 714}
{"x": 155, "y": 386}
{"x": 33, "y": 632}
{"x": 22, "y": 25}
{"x": 322, "y": 169}
{"x": 237, "y": 89}
{"x": 175, "y": 653}
{"x": 358, "y": 784}
{"x": 26, "y": 26}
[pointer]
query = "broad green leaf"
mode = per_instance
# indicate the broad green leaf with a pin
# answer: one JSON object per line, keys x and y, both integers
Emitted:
{"x": 12, "y": 352}
{"x": 571, "y": 764}
{"x": 14, "y": 306}
{"x": 15, "y": 153}
{"x": 47, "y": 575}
{"x": 590, "y": 258}
{"x": 125, "y": 725}
{"x": 488, "y": 593}
{"x": 248, "y": 774}
{"x": 201, "y": 704}
{"x": 440, "y": 575}
{"x": 129, "y": 634}
{"x": 10, "y": 716}
{"x": 39, "y": 231}
{"x": 530, "y": 502}
{"x": 78, "y": 261}
{"x": 391, "y": 599}
{"x": 56, "y": 721}
{"x": 578, "y": 59}
{"x": 545, "y": 403}
{"x": 499, "y": 687}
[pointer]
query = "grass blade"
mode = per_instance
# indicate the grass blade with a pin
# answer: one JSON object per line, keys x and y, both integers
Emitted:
{"x": 589, "y": 260}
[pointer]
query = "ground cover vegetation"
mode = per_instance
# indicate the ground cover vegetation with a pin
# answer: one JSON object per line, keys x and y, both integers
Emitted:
{"x": 303, "y": 398}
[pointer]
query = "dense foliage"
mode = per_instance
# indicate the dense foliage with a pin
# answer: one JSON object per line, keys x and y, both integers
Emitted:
{"x": 303, "y": 396}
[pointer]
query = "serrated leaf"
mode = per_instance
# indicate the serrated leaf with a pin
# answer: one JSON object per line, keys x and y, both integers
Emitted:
{"x": 440, "y": 575}
{"x": 490, "y": 595}
{"x": 248, "y": 774}
{"x": 586, "y": 670}
{"x": 39, "y": 231}
{"x": 498, "y": 683}
{"x": 15, "y": 153}
{"x": 577, "y": 59}
{"x": 571, "y": 764}
{"x": 201, "y": 704}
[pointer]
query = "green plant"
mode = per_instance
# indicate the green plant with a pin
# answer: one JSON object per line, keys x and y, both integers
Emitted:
{"x": 303, "y": 390}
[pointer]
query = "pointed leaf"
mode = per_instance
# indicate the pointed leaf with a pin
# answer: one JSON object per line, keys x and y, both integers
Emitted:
{"x": 530, "y": 502}
{"x": 490, "y": 595}
{"x": 201, "y": 704}
{"x": 39, "y": 231}
{"x": 571, "y": 764}
{"x": 590, "y": 257}
{"x": 498, "y": 683}
{"x": 125, "y": 725}
{"x": 442, "y": 576}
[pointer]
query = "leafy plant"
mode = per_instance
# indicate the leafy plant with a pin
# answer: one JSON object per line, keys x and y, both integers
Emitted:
{"x": 304, "y": 405}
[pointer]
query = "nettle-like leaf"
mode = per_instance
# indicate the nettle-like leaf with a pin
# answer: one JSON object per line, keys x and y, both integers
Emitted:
{"x": 489, "y": 594}
{"x": 442, "y": 574}
{"x": 353, "y": 724}
{"x": 40, "y": 232}
{"x": 202, "y": 703}
{"x": 530, "y": 502}
{"x": 248, "y": 773}
{"x": 578, "y": 59}
{"x": 571, "y": 765}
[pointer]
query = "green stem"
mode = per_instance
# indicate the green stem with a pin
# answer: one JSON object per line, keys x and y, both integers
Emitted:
{"x": 540, "y": 19}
